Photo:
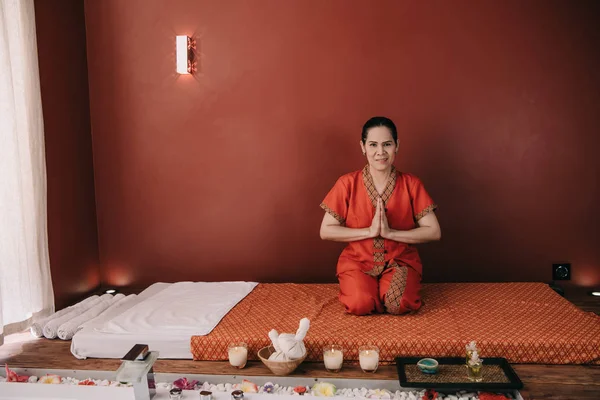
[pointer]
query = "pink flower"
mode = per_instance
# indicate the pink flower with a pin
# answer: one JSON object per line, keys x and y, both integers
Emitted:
{"x": 184, "y": 384}
{"x": 300, "y": 390}
{"x": 11, "y": 376}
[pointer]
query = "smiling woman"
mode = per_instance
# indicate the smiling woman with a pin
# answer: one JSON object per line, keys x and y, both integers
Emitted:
{"x": 381, "y": 213}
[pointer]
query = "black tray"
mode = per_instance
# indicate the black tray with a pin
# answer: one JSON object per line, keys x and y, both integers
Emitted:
{"x": 498, "y": 375}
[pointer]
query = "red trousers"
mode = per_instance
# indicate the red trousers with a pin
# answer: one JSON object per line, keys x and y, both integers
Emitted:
{"x": 394, "y": 290}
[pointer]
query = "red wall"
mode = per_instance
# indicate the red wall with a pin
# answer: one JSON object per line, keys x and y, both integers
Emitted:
{"x": 219, "y": 175}
{"x": 72, "y": 231}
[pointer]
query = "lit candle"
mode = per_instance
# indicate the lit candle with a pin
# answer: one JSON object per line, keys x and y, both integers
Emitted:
{"x": 333, "y": 357}
{"x": 368, "y": 358}
{"x": 238, "y": 355}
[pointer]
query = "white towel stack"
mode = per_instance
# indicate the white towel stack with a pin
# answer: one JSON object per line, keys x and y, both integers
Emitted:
{"x": 69, "y": 328}
{"x": 51, "y": 327}
{"x": 37, "y": 328}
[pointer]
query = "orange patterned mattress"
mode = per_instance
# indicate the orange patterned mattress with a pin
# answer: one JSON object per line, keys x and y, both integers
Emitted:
{"x": 523, "y": 322}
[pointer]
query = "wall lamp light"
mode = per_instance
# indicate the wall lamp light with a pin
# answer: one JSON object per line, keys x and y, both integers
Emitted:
{"x": 186, "y": 49}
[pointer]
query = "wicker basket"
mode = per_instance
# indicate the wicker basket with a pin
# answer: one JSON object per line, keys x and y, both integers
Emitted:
{"x": 278, "y": 367}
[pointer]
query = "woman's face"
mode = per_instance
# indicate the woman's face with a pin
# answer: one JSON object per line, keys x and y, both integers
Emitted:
{"x": 379, "y": 148}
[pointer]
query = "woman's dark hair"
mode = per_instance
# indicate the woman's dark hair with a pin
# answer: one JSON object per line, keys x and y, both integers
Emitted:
{"x": 379, "y": 121}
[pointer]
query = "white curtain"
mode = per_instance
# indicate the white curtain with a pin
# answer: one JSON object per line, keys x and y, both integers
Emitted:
{"x": 25, "y": 285}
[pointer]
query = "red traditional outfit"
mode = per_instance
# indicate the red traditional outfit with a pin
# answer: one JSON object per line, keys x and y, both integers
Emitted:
{"x": 378, "y": 275}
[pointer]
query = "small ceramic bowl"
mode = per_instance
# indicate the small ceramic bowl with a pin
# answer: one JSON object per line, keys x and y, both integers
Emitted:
{"x": 428, "y": 365}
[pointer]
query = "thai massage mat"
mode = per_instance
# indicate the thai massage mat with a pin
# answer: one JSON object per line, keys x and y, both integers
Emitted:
{"x": 522, "y": 322}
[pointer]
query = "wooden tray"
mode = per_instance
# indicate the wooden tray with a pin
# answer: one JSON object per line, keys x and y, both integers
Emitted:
{"x": 497, "y": 374}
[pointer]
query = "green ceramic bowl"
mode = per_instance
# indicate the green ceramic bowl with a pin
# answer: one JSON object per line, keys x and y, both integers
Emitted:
{"x": 428, "y": 365}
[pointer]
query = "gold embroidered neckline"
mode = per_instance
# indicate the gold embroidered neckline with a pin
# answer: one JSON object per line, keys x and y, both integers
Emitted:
{"x": 372, "y": 190}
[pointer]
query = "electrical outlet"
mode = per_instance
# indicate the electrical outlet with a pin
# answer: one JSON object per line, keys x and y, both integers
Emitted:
{"x": 561, "y": 272}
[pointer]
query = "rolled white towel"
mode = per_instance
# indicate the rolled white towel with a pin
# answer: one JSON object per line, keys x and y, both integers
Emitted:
{"x": 116, "y": 308}
{"x": 51, "y": 328}
{"x": 37, "y": 328}
{"x": 68, "y": 329}
{"x": 117, "y": 297}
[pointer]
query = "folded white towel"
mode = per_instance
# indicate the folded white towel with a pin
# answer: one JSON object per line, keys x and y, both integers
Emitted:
{"x": 51, "y": 328}
{"x": 37, "y": 328}
{"x": 184, "y": 308}
{"x": 68, "y": 329}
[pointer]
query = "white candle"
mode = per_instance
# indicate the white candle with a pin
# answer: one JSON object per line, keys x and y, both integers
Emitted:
{"x": 333, "y": 359}
{"x": 238, "y": 355}
{"x": 369, "y": 360}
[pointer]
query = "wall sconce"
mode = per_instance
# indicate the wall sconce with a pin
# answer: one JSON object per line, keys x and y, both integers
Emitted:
{"x": 186, "y": 49}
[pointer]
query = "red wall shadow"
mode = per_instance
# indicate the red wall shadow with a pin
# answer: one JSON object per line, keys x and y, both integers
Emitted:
{"x": 72, "y": 230}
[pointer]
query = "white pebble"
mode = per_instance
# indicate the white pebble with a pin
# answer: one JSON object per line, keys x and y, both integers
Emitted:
{"x": 351, "y": 393}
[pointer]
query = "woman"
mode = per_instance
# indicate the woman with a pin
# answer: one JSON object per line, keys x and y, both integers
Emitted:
{"x": 381, "y": 213}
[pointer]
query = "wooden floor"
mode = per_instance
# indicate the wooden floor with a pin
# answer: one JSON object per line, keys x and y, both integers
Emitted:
{"x": 564, "y": 382}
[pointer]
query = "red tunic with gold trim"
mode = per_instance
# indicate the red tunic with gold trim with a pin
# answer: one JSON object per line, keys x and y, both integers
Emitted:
{"x": 377, "y": 274}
